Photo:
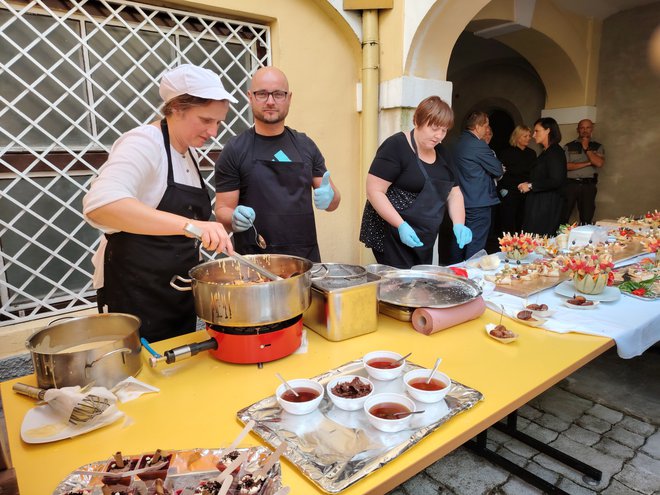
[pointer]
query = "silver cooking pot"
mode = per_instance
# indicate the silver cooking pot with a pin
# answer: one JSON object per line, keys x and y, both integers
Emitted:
{"x": 103, "y": 349}
{"x": 229, "y": 293}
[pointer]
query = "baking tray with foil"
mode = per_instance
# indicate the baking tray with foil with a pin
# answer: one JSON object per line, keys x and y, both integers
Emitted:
{"x": 336, "y": 448}
{"x": 419, "y": 289}
{"x": 187, "y": 469}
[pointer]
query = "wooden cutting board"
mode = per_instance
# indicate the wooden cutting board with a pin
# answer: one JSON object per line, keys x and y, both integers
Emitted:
{"x": 525, "y": 288}
{"x": 632, "y": 249}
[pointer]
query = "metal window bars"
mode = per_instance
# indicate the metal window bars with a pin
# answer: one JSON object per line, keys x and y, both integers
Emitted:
{"x": 75, "y": 75}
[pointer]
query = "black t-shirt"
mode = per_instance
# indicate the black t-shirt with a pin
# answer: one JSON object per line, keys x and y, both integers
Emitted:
{"x": 518, "y": 164}
{"x": 396, "y": 162}
{"x": 232, "y": 169}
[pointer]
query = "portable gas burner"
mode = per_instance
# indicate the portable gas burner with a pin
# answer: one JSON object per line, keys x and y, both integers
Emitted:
{"x": 242, "y": 345}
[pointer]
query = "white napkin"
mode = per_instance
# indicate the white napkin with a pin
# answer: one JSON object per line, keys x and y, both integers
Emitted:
{"x": 131, "y": 388}
{"x": 62, "y": 401}
{"x": 304, "y": 344}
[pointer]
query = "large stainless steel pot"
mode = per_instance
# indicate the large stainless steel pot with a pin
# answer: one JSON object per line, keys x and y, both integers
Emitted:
{"x": 103, "y": 349}
{"x": 229, "y": 293}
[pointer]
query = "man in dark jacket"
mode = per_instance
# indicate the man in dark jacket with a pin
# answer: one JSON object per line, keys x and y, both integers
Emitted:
{"x": 478, "y": 168}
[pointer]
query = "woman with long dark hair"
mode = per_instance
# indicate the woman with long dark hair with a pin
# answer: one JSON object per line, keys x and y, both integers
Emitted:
{"x": 544, "y": 189}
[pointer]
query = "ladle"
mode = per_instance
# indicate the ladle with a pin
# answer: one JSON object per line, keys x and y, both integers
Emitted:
{"x": 286, "y": 384}
{"x": 435, "y": 368}
{"x": 197, "y": 234}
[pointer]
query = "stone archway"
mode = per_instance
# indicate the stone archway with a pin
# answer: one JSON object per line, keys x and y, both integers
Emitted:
{"x": 544, "y": 40}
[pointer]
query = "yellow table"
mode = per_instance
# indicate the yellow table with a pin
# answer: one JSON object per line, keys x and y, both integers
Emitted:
{"x": 199, "y": 398}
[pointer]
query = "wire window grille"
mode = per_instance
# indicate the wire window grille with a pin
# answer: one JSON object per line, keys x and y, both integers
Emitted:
{"x": 75, "y": 75}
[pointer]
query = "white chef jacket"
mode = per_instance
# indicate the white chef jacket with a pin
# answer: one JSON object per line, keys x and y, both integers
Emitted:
{"x": 136, "y": 168}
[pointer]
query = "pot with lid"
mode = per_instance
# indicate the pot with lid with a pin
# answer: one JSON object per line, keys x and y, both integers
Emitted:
{"x": 103, "y": 349}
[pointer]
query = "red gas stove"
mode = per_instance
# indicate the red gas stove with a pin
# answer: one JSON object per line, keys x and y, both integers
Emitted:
{"x": 242, "y": 345}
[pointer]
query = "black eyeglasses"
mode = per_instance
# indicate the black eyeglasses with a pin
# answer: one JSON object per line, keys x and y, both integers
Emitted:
{"x": 262, "y": 95}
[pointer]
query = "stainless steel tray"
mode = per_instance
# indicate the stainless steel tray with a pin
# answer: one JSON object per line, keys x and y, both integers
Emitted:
{"x": 181, "y": 473}
{"x": 419, "y": 289}
{"x": 336, "y": 448}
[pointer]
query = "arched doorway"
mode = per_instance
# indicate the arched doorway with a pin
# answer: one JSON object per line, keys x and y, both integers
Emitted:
{"x": 502, "y": 125}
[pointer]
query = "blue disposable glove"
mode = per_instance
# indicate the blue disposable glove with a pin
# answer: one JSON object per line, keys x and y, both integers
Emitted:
{"x": 242, "y": 218}
{"x": 324, "y": 193}
{"x": 463, "y": 235}
{"x": 408, "y": 236}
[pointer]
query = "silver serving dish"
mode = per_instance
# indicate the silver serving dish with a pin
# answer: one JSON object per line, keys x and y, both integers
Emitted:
{"x": 336, "y": 448}
{"x": 420, "y": 289}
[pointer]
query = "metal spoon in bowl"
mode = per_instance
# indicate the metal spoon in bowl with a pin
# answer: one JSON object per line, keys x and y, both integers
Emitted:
{"x": 435, "y": 368}
{"x": 401, "y": 360}
{"x": 286, "y": 384}
{"x": 407, "y": 413}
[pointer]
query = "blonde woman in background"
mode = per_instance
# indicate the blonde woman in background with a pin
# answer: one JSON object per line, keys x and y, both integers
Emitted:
{"x": 518, "y": 159}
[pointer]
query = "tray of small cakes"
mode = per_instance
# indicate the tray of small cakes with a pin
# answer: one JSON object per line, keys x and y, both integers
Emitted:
{"x": 352, "y": 420}
{"x": 228, "y": 471}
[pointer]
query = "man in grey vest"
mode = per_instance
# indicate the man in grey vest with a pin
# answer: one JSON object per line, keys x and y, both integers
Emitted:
{"x": 584, "y": 158}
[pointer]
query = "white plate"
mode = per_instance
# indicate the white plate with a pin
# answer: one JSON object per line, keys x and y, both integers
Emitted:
{"x": 505, "y": 340}
{"x": 575, "y": 306}
{"x": 567, "y": 288}
{"x": 541, "y": 314}
{"x": 42, "y": 425}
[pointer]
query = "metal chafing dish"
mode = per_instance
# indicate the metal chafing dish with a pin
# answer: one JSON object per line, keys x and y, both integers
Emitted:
{"x": 401, "y": 291}
{"x": 344, "y": 301}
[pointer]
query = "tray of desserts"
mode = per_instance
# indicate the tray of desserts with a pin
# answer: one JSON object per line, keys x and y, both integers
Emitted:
{"x": 337, "y": 446}
{"x": 180, "y": 472}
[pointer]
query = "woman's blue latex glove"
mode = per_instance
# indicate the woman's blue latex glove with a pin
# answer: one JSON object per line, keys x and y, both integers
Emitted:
{"x": 408, "y": 236}
{"x": 242, "y": 218}
{"x": 324, "y": 193}
{"x": 463, "y": 235}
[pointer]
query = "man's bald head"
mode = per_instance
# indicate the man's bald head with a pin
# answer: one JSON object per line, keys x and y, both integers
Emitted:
{"x": 269, "y": 76}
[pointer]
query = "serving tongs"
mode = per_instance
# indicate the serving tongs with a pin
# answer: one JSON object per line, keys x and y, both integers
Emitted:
{"x": 196, "y": 232}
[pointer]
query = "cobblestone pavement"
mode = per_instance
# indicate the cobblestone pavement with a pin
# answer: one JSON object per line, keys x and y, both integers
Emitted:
{"x": 624, "y": 448}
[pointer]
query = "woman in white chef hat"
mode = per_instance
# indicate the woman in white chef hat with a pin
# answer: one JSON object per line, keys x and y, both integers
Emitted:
{"x": 145, "y": 194}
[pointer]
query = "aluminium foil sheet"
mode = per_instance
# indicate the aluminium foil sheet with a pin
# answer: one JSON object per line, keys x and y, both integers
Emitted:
{"x": 336, "y": 448}
{"x": 187, "y": 469}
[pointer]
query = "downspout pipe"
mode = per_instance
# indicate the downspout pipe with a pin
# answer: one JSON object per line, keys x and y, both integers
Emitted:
{"x": 370, "y": 82}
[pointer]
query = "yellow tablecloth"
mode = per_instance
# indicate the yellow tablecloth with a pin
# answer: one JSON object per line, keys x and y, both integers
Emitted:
{"x": 199, "y": 398}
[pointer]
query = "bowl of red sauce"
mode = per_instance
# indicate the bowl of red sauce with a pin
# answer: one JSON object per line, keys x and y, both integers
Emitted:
{"x": 389, "y": 412}
{"x": 310, "y": 395}
{"x": 418, "y": 389}
{"x": 382, "y": 365}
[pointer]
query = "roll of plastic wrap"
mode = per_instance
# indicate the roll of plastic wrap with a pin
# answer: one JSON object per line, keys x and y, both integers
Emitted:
{"x": 428, "y": 321}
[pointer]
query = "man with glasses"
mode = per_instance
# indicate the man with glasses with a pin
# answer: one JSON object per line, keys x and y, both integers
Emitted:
{"x": 268, "y": 177}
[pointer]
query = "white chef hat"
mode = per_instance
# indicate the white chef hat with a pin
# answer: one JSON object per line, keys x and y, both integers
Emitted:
{"x": 195, "y": 81}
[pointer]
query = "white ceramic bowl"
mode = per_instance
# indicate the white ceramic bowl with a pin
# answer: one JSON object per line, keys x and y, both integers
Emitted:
{"x": 347, "y": 403}
{"x": 389, "y": 425}
{"x": 381, "y": 373}
{"x": 428, "y": 396}
{"x": 300, "y": 407}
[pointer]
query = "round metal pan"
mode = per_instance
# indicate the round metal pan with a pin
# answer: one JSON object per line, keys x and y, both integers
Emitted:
{"x": 419, "y": 289}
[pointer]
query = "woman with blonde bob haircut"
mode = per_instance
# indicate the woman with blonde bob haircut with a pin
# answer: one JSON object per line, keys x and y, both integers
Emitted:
{"x": 518, "y": 160}
{"x": 411, "y": 181}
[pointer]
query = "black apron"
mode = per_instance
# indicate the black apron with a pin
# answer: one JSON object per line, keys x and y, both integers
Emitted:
{"x": 281, "y": 195}
{"x": 138, "y": 268}
{"x": 424, "y": 215}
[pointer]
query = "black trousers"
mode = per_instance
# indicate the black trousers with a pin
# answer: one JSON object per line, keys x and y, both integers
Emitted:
{"x": 582, "y": 194}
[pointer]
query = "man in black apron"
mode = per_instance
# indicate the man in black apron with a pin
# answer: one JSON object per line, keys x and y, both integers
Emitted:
{"x": 268, "y": 177}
